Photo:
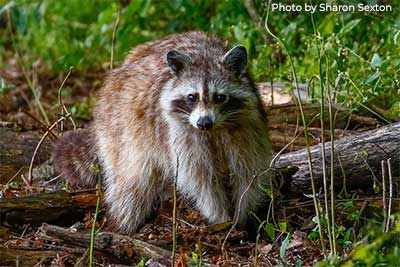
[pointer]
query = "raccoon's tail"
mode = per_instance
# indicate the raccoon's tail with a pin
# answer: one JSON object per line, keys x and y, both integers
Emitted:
{"x": 75, "y": 160}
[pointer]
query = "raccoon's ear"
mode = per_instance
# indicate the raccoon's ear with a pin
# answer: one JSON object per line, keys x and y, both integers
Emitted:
{"x": 177, "y": 61}
{"x": 236, "y": 59}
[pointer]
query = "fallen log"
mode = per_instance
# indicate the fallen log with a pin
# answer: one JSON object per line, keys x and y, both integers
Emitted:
{"x": 122, "y": 246}
{"x": 16, "y": 150}
{"x": 290, "y": 114}
{"x": 357, "y": 159}
{"x": 61, "y": 206}
{"x": 29, "y": 257}
{"x": 281, "y": 135}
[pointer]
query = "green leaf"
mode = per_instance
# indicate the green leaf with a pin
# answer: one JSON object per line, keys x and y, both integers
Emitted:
{"x": 396, "y": 37}
{"x": 349, "y": 26}
{"x": 283, "y": 248}
{"x": 142, "y": 262}
{"x": 5, "y": 87}
{"x": 346, "y": 238}
{"x": 327, "y": 25}
{"x": 269, "y": 228}
{"x": 372, "y": 77}
{"x": 376, "y": 61}
{"x": 283, "y": 227}
{"x": 239, "y": 33}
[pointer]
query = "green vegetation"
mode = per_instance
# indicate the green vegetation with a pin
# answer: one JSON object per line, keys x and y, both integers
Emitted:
{"x": 361, "y": 48}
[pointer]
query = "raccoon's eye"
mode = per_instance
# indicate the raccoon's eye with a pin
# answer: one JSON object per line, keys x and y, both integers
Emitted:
{"x": 220, "y": 99}
{"x": 191, "y": 98}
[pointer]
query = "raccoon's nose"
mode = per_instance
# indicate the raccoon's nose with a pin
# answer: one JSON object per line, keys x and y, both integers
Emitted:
{"x": 204, "y": 123}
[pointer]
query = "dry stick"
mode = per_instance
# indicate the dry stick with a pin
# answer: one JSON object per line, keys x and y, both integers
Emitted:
{"x": 113, "y": 38}
{"x": 383, "y": 167}
{"x": 174, "y": 211}
{"x": 343, "y": 190}
{"x": 43, "y": 126}
{"x": 15, "y": 175}
{"x": 22, "y": 66}
{"x": 182, "y": 221}
{"x": 390, "y": 193}
{"x": 64, "y": 110}
{"x": 371, "y": 170}
{"x": 38, "y": 146}
{"x": 316, "y": 201}
{"x": 363, "y": 207}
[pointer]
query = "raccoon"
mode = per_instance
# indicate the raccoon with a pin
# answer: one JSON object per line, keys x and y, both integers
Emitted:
{"x": 182, "y": 107}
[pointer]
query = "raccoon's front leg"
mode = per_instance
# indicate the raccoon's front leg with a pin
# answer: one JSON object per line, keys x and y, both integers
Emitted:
{"x": 131, "y": 200}
{"x": 248, "y": 197}
{"x": 208, "y": 199}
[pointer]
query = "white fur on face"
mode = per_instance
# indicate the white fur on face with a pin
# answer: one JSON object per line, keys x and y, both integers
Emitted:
{"x": 199, "y": 113}
{"x": 172, "y": 91}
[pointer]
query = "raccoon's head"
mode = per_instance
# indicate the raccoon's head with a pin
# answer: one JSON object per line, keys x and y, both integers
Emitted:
{"x": 210, "y": 90}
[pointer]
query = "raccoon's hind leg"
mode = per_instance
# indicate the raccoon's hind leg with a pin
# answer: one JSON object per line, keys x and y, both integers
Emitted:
{"x": 75, "y": 160}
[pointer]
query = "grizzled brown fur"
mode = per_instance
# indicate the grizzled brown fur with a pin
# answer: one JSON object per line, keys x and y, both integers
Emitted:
{"x": 187, "y": 102}
{"x": 76, "y": 159}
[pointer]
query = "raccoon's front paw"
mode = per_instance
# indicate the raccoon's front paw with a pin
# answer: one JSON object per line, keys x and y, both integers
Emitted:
{"x": 219, "y": 218}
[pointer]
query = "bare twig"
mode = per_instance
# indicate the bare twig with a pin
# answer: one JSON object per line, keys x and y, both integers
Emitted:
{"x": 236, "y": 219}
{"x": 383, "y": 167}
{"x": 15, "y": 175}
{"x": 64, "y": 110}
{"x": 238, "y": 210}
{"x": 344, "y": 189}
{"x": 42, "y": 125}
{"x": 38, "y": 146}
{"x": 390, "y": 193}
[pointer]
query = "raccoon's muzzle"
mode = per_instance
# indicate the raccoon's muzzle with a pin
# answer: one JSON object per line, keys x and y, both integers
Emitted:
{"x": 204, "y": 123}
